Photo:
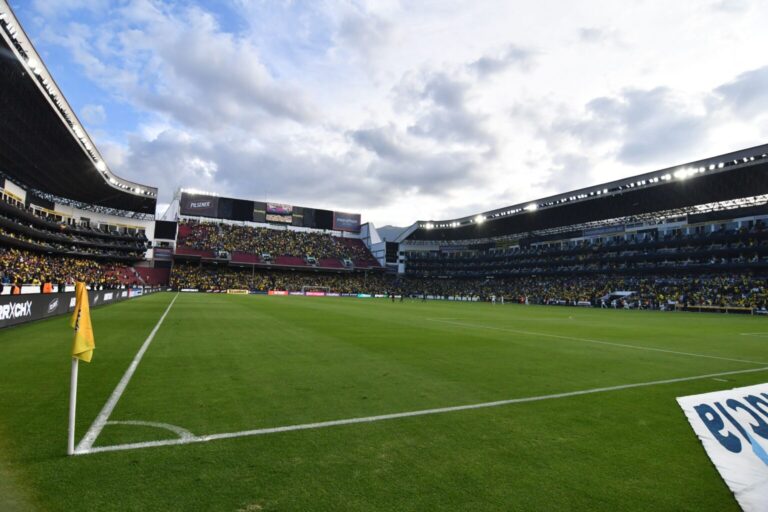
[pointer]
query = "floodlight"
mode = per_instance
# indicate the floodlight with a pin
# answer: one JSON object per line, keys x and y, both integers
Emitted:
{"x": 479, "y": 219}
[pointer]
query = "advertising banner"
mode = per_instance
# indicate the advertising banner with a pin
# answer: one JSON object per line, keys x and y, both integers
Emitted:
{"x": 162, "y": 253}
{"x": 346, "y": 222}
{"x": 199, "y": 205}
{"x": 454, "y": 248}
{"x": 277, "y": 292}
{"x": 604, "y": 231}
{"x": 733, "y": 427}
{"x": 315, "y": 294}
{"x": 237, "y": 292}
{"x": 18, "y": 309}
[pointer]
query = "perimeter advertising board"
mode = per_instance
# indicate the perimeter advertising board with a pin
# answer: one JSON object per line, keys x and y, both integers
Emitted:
{"x": 733, "y": 427}
{"x": 197, "y": 205}
{"x": 18, "y": 309}
{"x": 346, "y": 221}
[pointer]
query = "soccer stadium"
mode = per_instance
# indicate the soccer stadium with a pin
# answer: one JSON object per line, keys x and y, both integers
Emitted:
{"x": 601, "y": 348}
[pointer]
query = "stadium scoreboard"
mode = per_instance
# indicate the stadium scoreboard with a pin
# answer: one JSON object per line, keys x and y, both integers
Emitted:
{"x": 202, "y": 205}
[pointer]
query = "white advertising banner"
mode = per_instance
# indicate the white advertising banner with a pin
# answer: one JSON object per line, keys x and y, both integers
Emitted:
{"x": 733, "y": 427}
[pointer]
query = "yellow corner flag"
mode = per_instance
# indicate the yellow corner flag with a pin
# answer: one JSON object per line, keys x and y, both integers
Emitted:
{"x": 82, "y": 347}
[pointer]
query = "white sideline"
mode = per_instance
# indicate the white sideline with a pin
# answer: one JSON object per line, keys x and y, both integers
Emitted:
{"x": 98, "y": 424}
{"x": 599, "y": 342}
{"x": 382, "y": 417}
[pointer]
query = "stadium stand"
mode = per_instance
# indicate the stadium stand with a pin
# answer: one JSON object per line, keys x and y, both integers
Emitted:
{"x": 688, "y": 236}
{"x": 666, "y": 292}
{"x": 30, "y": 268}
{"x": 64, "y": 215}
{"x": 194, "y": 276}
{"x": 286, "y": 247}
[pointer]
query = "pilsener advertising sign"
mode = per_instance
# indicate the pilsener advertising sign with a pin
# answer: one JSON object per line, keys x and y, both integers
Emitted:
{"x": 198, "y": 205}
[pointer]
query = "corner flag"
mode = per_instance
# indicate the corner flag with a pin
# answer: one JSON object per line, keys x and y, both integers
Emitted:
{"x": 83, "y": 345}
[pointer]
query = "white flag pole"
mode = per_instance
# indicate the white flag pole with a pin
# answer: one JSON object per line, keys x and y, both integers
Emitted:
{"x": 72, "y": 407}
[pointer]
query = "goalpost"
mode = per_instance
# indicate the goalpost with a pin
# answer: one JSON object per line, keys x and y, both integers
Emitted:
{"x": 315, "y": 289}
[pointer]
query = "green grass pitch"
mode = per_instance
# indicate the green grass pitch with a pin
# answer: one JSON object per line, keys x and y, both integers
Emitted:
{"x": 221, "y": 364}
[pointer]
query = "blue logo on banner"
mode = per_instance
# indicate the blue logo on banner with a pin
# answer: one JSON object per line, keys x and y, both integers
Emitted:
{"x": 759, "y": 450}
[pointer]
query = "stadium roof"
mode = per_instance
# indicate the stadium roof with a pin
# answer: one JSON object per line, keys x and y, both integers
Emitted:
{"x": 42, "y": 143}
{"x": 733, "y": 176}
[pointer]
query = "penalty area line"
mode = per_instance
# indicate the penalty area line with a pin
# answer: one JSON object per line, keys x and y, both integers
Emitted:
{"x": 101, "y": 420}
{"x": 409, "y": 414}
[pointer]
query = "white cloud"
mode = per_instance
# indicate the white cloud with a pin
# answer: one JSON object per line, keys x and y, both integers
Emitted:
{"x": 94, "y": 114}
{"x": 409, "y": 110}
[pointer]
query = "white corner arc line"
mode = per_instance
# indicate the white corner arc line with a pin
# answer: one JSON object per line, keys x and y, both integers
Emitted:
{"x": 598, "y": 342}
{"x": 98, "y": 424}
{"x": 409, "y": 414}
{"x": 179, "y": 431}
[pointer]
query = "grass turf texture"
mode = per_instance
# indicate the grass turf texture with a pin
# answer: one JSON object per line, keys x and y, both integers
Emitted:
{"x": 230, "y": 363}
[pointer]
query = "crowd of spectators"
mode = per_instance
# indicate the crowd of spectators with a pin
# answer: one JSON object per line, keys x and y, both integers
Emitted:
{"x": 75, "y": 246}
{"x": 50, "y": 233}
{"x": 647, "y": 292}
{"x": 30, "y": 268}
{"x": 259, "y": 240}
{"x": 644, "y": 253}
{"x": 202, "y": 278}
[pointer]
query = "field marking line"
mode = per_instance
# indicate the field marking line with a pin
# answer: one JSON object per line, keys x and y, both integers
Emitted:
{"x": 409, "y": 414}
{"x": 181, "y": 432}
{"x": 98, "y": 424}
{"x": 755, "y": 334}
{"x": 599, "y": 342}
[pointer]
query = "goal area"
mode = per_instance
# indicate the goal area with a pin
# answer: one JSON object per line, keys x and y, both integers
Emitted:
{"x": 315, "y": 289}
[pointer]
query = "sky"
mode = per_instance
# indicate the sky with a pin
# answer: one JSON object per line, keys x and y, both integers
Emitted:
{"x": 405, "y": 110}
